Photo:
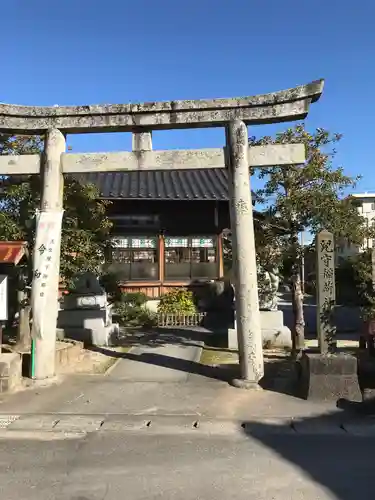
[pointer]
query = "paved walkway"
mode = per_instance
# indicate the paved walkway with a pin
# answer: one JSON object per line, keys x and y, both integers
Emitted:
{"x": 159, "y": 362}
{"x": 161, "y": 376}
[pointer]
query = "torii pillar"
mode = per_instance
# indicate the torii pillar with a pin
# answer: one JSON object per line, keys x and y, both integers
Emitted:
{"x": 249, "y": 333}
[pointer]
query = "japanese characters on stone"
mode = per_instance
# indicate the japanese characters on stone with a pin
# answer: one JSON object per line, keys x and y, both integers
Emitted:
{"x": 45, "y": 253}
{"x": 45, "y": 261}
{"x": 325, "y": 289}
{"x": 328, "y": 275}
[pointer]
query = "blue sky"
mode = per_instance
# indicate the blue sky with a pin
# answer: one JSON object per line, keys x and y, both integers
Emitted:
{"x": 119, "y": 51}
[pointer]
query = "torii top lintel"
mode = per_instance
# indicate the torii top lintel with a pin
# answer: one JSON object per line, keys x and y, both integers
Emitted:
{"x": 285, "y": 105}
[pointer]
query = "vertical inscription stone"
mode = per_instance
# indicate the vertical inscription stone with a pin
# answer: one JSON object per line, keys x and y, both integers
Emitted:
{"x": 326, "y": 293}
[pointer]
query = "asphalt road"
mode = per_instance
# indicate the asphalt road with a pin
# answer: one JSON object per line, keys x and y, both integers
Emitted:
{"x": 132, "y": 465}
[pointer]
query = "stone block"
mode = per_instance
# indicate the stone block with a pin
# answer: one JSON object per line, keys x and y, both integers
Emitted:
{"x": 78, "y": 334}
{"x": 10, "y": 371}
{"x": 78, "y": 318}
{"x": 68, "y": 353}
{"x": 232, "y": 339}
{"x": 99, "y": 332}
{"x": 328, "y": 377}
{"x": 90, "y": 301}
{"x": 10, "y": 364}
{"x": 99, "y": 335}
{"x": 274, "y": 333}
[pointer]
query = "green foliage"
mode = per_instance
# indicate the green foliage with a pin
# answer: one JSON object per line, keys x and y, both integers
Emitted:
{"x": 310, "y": 196}
{"x": 130, "y": 310}
{"x": 177, "y": 301}
{"x": 86, "y": 227}
{"x": 355, "y": 273}
{"x": 20, "y": 144}
{"x": 86, "y": 230}
{"x": 135, "y": 299}
{"x": 110, "y": 283}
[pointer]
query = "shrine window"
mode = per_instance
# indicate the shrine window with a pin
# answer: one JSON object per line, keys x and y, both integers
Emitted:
{"x": 135, "y": 258}
{"x": 190, "y": 258}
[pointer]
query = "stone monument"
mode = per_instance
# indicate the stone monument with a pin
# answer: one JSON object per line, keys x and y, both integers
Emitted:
{"x": 86, "y": 315}
{"x": 274, "y": 332}
{"x": 328, "y": 373}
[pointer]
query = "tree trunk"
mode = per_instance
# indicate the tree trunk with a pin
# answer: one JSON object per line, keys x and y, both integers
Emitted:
{"x": 298, "y": 334}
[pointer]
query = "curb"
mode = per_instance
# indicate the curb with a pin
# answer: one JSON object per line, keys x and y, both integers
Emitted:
{"x": 198, "y": 353}
{"x": 41, "y": 435}
{"x": 112, "y": 367}
{"x": 67, "y": 426}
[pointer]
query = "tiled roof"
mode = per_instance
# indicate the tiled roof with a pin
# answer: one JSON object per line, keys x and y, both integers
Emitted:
{"x": 11, "y": 252}
{"x": 201, "y": 184}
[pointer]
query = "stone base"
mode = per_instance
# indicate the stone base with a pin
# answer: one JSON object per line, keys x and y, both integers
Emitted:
{"x": 249, "y": 385}
{"x": 328, "y": 377}
{"x": 274, "y": 333}
{"x": 105, "y": 336}
{"x": 79, "y": 318}
{"x": 10, "y": 371}
{"x": 91, "y": 326}
{"x": 101, "y": 336}
{"x": 232, "y": 339}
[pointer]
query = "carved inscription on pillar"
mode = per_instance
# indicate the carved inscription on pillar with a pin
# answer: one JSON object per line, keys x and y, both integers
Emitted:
{"x": 326, "y": 293}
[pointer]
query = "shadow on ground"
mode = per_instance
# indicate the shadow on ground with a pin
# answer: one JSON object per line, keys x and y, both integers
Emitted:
{"x": 158, "y": 337}
{"x": 326, "y": 448}
{"x": 182, "y": 365}
{"x": 279, "y": 374}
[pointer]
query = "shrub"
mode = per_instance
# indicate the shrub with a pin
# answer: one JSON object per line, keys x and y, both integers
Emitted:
{"x": 109, "y": 282}
{"x": 134, "y": 299}
{"x": 130, "y": 310}
{"x": 177, "y": 301}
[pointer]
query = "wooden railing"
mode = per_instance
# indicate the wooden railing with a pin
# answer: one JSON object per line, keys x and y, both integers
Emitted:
{"x": 195, "y": 319}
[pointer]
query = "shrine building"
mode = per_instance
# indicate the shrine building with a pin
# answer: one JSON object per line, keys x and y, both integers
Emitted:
{"x": 168, "y": 226}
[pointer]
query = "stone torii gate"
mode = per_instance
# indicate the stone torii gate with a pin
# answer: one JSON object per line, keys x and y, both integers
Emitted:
{"x": 140, "y": 119}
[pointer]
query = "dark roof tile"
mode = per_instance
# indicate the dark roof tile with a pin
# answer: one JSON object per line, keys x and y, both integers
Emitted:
{"x": 201, "y": 184}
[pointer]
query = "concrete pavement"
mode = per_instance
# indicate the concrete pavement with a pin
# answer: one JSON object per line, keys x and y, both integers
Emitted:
{"x": 114, "y": 466}
{"x": 184, "y": 434}
{"x": 139, "y": 365}
{"x": 161, "y": 375}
